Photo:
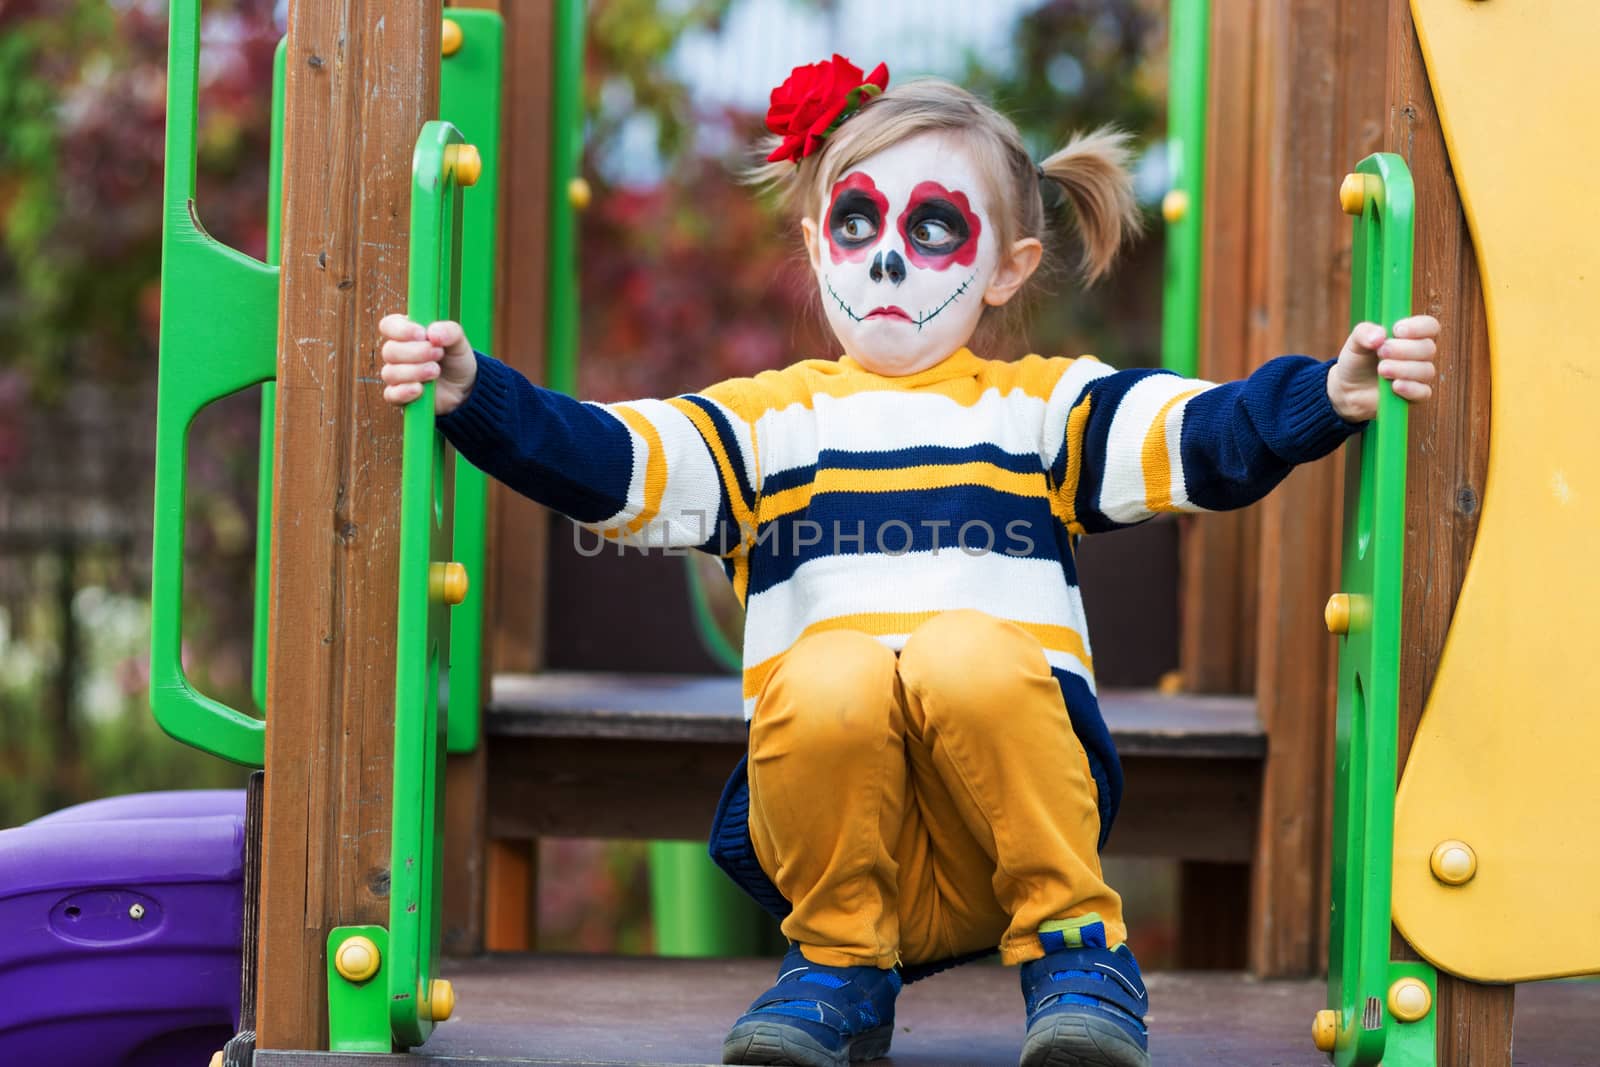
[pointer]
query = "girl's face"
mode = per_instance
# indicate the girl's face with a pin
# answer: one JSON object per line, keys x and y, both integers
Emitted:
{"x": 906, "y": 258}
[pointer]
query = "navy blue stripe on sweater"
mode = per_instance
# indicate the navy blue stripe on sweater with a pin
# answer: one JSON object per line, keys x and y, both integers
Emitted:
{"x": 1083, "y": 708}
{"x": 895, "y": 523}
{"x": 900, "y": 459}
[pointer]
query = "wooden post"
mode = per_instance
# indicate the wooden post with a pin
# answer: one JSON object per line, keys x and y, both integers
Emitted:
{"x": 362, "y": 77}
{"x": 1319, "y": 99}
{"x": 1445, "y": 480}
{"x": 1216, "y": 600}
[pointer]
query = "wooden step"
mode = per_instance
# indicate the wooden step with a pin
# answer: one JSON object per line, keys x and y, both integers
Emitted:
{"x": 608, "y": 1011}
{"x": 645, "y": 756}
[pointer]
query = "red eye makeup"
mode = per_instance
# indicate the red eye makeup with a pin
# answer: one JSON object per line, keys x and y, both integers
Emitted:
{"x": 940, "y": 228}
{"x": 856, "y": 211}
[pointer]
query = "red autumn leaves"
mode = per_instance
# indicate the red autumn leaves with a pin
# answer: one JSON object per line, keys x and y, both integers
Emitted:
{"x": 813, "y": 99}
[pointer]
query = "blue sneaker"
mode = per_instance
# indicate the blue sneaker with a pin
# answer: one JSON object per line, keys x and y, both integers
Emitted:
{"x": 1086, "y": 1003}
{"x": 817, "y": 1016}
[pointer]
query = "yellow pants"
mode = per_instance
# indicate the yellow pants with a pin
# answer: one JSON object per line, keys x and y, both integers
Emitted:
{"x": 924, "y": 806}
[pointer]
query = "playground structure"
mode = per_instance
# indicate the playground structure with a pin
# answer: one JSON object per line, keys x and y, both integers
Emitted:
{"x": 369, "y": 834}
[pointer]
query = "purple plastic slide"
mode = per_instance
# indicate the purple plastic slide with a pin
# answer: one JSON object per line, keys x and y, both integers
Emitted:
{"x": 120, "y": 925}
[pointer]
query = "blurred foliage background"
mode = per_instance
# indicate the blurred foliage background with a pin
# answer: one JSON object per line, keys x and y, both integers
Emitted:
{"x": 687, "y": 276}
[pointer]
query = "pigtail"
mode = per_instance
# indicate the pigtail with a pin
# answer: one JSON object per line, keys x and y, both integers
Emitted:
{"x": 1093, "y": 171}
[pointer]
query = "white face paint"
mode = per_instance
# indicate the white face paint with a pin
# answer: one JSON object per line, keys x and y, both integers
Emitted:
{"x": 904, "y": 253}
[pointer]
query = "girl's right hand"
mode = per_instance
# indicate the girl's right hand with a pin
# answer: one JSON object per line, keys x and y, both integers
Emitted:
{"x": 413, "y": 355}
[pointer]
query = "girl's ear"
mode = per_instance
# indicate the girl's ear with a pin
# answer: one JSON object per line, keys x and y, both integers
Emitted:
{"x": 808, "y": 230}
{"x": 1014, "y": 270}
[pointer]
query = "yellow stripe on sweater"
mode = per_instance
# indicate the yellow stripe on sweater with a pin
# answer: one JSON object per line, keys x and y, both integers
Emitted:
{"x": 655, "y": 471}
{"x": 730, "y": 486}
{"x": 883, "y": 623}
{"x": 1157, "y": 458}
{"x": 1077, "y": 424}
{"x": 899, "y": 480}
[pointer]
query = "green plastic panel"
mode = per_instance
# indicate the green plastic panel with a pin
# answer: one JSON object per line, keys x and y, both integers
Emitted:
{"x": 566, "y": 161}
{"x": 1413, "y": 1044}
{"x": 219, "y": 325}
{"x": 358, "y": 1012}
{"x": 423, "y": 622}
{"x": 470, "y": 99}
{"x": 1369, "y": 654}
{"x": 1189, "y": 48}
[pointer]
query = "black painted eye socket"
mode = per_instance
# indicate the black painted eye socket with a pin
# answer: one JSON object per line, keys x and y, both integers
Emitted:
{"x": 937, "y": 227}
{"x": 854, "y": 220}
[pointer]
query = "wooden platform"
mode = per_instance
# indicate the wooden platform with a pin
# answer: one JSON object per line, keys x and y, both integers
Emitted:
{"x": 605, "y": 1011}
{"x": 645, "y": 756}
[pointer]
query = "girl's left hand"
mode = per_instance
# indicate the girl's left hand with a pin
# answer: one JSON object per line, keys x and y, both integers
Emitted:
{"x": 1370, "y": 353}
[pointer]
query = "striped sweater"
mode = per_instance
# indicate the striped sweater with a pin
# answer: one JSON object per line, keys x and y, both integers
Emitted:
{"x": 841, "y": 499}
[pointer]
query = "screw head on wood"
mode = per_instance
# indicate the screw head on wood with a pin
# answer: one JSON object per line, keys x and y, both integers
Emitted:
{"x": 1410, "y": 1000}
{"x": 451, "y": 37}
{"x": 1454, "y": 862}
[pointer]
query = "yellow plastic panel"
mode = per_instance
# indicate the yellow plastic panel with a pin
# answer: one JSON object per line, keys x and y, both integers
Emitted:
{"x": 1507, "y": 760}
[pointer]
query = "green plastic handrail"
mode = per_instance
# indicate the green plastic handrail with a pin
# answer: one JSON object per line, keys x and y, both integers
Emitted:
{"x": 219, "y": 327}
{"x": 1367, "y": 614}
{"x": 1189, "y": 47}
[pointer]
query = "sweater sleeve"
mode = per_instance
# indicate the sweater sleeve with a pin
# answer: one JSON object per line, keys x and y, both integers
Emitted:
{"x": 676, "y": 473}
{"x": 1136, "y": 443}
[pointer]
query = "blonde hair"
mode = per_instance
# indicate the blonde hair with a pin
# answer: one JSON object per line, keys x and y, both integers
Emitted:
{"x": 1091, "y": 170}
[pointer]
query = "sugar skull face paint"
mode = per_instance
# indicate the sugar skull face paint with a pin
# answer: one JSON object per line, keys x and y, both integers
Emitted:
{"x": 904, "y": 254}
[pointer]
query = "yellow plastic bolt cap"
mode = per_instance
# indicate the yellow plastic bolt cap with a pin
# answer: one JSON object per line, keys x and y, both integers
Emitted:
{"x": 466, "y": 162}
{"x": 447, "y": 582}
{"x": 1353, "y": 193}
{"x": 1454, "y": 862}
{"x": 1337, "y": 613}
{"x": 216, "y": 1058}
{"x": 579, "y": 195}
{"x": 1325, "y": 1029}
{"x": 356, "y": 959}
{"x": 450, "y": 37}
{"x": 1175, "y": 205}
{"x": 1410, "y": 1000}
{"x": 441, "y": 1000}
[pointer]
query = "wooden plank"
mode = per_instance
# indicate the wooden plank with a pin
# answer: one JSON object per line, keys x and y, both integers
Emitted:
{"x": 609, "y": 1011}
{"x": 669, "y": 708}
{"x": 1445, "y": 481}
{"x": 1217, "y": 602}
{"x": 582, "y": 787}
{"x": 362, "y": 77}
{"x": 1319, "y": 103}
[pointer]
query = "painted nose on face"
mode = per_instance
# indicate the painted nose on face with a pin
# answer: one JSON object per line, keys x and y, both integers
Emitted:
{"x": 891, "y": 265}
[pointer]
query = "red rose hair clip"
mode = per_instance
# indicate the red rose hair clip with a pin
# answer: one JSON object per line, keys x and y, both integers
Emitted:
{"x": 814, "y": 99}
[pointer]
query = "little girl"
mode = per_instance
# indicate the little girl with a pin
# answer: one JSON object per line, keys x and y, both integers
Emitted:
{"x": 928, "y": 774}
